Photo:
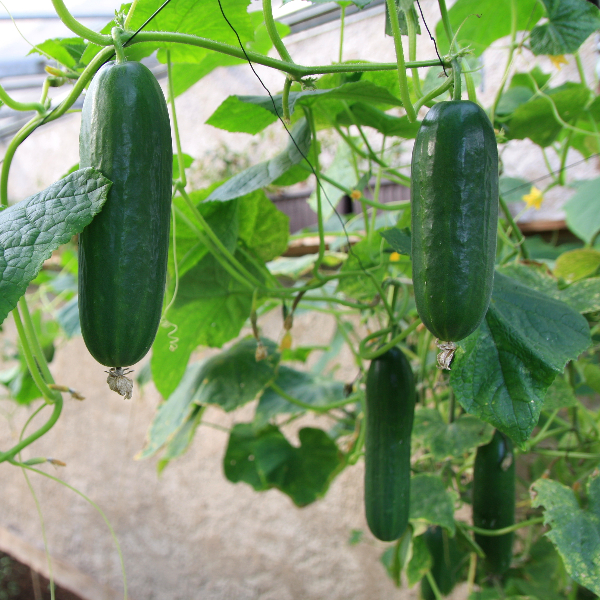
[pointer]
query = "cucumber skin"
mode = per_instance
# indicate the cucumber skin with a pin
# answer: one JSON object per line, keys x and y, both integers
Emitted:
{"x": 445, "y": 555}
{"x": 494, "y": 501}
{"x": 126, "y": 134}
{"x": 454, "y": 200}
{"x": 390, "y": 406}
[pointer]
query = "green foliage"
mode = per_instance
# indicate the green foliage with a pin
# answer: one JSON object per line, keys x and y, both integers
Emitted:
{"x": 575, "y": 531}
{"x": 32, "y": 229}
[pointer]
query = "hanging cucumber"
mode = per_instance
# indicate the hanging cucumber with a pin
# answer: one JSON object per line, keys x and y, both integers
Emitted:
{"x": 454, "y": 199}
{"x": 494, "y": 500}
{"x": 126, "y": 134}
{"x": 446, "y": 562}
{"x": 390, "y": 406}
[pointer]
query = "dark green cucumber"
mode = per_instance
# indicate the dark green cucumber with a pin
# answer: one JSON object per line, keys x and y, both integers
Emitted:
{"x": 494, "y": 500}
{"x": 390, "y": 406}
{"x": 446, "y": 562}
{"x": 126, "y": 134}
{"x": 454, "y": 200}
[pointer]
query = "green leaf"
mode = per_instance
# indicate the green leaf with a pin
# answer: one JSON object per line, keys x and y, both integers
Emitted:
{"x": 229, "y": 380}
{"x": 575, "y": 531}
{"x": 577, "y": 264}
{"x": 264, "y": 173}
{"x": 66, "y": 51}
{"x": 263, "y": 458}
{"x": 184, "y": 75}
{"x": 535, "y": 119}
{"x": 32, "y": 229}
{"x": 560, "y": 394}
{"x": 355, "y": 91}
{"x": 512, "y": 99}
{"x": 365, "y": 114}
{"x": 450, "y": 440}
{"x": 365, "y": 256}
{"x": 398, "y": 239}
{"x": 263, "y": 227}
{"x": 570, "y": 23}
{"x": 210, "y": 310}
{"x": 237, "y": 116}
{"x": 316, "y": 391}
{"x": 481, "y": 22}
{"x": 583, "y": 217}
{"x": 583, "y": 296}
{"x": 513, "y": 189}
{"x": 591, "y": 373}
{"x": 196, "y": 17}
{"x": 524, "y": 342}
{"x": 187, "y": 163}
{"x": 182, "y": 439}
{"x": 420, "y": 561}
{"x": 430, "y": 504}
{"x": 67, "y": 317}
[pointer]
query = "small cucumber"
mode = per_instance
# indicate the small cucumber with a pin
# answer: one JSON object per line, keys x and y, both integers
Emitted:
{"x": 126, "y": 134}
{"x": 390, "y": 406}
{"x": 494, "y": 500}
{"x": 446, "y": 562}
{"x": 454, "y": 200}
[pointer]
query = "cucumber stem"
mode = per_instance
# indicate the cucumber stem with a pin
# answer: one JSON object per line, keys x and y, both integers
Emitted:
{"x": 116, "y": 36}
{"x": 24, "y": 106}
{"x": 273, "y": 33}
{"x": 402, "y": 80}
{"x": 76, "y": 27}
{"x": 457, "y": 93}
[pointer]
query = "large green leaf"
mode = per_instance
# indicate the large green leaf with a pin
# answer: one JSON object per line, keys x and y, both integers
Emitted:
{"x": 229, "y": 380}
{"x": 197, "y": 17}
{"x": 32, "y": 229}
{"x": 583, "y": 216}
{"x": 316, "y": 391}
{"x": 535, "y": 119}
{"x": 365, "y": 114}
{"x": 398, "y": 239}
{"x": 365, "y": 256}
{"x": 583, "y": 296}
{"x": 420, "y": 561}
{"x": 263, "y": 458}
{"x": 184, "y": 75}
{"x": 211, "y": 308}
{"x": 575, "y": 531}
{"x": 264, "y": 173}
{"x": 502, "y": 371}
{"x": 237, "y": 116}
{"x": 66, "y": 51}
{"x": 481, "y": 22}
{"x": 570, "y": 23}
{"x": 453, "y": 439}
{"x": 264, "y": 229}
{"x": 430, "y": 503}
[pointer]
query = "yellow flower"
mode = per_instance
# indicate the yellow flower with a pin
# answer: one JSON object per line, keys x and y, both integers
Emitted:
{"x": 559, "y": 60}
{"x": 394, "y": 257}
{"x": 534, "y": 198}
{"x": 356, "y": 195}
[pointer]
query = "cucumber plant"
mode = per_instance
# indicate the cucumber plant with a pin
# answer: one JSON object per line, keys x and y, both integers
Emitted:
{"x": 169, "y": 265}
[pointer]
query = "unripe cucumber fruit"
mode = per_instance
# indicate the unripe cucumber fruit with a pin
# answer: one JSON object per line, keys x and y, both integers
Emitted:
{"x": 454, "y": 202}
{"x": 390, "y": 406}
{"x": 494, "y": 500}
{"x": 126, "y": 134}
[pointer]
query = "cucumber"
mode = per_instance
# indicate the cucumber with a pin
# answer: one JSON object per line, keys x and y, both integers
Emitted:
{"x": 454, "y": 201}
{"x": 446, "y": 562}
{"x": 494, "y": 500}
{"x": 126, "y": 134}
{"x": 390, "y": 406}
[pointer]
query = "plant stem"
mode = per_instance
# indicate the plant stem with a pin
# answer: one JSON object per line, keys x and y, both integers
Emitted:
{"x": 23, "y": 106}
{"x": 34, "y": 342}
{"x": 364, "y": 353}
{"x": 76, "y": 27}
{"x": 513, "y": 39}
{"x": 411, "y": 25}
{"x": 342, "y": 21}
{"x": 515, "y": 229}
{"x": 180, "y": 162}
{"x": 305, "y": 405}
{"x": 503, "y": 530}
{"x": 457, "y": 92}
{"x": 403, "y": 81}
{"x": 116, "y": 36}
{"x": 434, "y": 93}
{"x": 273, "y": 33}
{"x": 285, "y": 100}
